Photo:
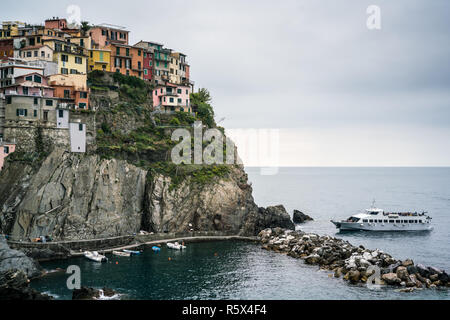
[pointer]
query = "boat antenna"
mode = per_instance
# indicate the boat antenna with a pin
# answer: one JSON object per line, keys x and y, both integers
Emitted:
{"x": 373, "y": 203}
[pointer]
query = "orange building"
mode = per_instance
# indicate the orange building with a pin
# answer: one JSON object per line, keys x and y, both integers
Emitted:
{"x": 106, "y": 34}
{"x": 71, "y": 89}
{"x": 127, "y": 60}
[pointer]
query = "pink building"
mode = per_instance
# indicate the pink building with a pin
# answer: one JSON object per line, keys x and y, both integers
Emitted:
{"x": 32, "y": 84}
{"x": 5, "y": 150}
{"x": 172, "y": 97}
{"x": 106, "y": 34}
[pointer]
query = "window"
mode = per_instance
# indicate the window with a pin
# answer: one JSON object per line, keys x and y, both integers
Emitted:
{"x": 64, "y": 58}
{"x": 179, "y": 91}
{"x": 145, "y": 71}
{"x": 118, "y": 51}
{"x": 391, "y": 221}
{"x": 78, "y": 60}
{"x": 171, "y": 99}
{"x": 139, "y": 53}
{"x": 35, "y": 53}
{"x": 25, "y": 90}
{"x": 66, "y": 94}
{"x": 82, "y": 105}
{"x": 82, "y": 42}
{"x": 8, "y": 100}
{"x": 45, "y": 115}
{"x": 42, "y": 54}
{"x": 35, "y": 102}
{"x": 370, "y": 221}
{"x": 385, "y": 221}
{"x": 64, "y": 71}
{"x": 80, "y": 127}
{"x": 37, "y": 79}
{"x": 49, "y": 103}
{"x": 60, "y": 113}
{"x": 35, "y": 113}
{"x": 83, "y": 95}
{"x": 179, "y": 100}
{"x": 420, "y": 221}
{"x": 6, "y": 149}
{"x": 73, "y": 71}
{"x": 101, "y": 56}
{"x": 28, "y": 54}
{"x": 411, "y": 221}
{"x": 21, "y": 112}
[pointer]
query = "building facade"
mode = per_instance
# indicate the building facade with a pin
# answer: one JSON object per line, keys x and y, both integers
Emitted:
{"x": 105, "y": 34}
{"x": 127, "y": 60}
{"x": 99, "y": 59}
{"x": 71, "y": 90}
{"x": 6, "y": 148}
{"x": 70, "y": 58}
{"x": 172, "y": 98}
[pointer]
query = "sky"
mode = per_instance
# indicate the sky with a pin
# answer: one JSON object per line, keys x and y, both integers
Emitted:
{"x": 311, "y": 73}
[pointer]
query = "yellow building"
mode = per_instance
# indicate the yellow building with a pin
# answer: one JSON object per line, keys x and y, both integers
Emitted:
{"x": 174, "y": 72}
{"x": 71, "y": 58}
{"x": 10, "y": 29}
{"x": 99, "y": 60}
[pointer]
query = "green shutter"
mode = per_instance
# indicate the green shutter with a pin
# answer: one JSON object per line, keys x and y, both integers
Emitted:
{"x": 17, "y": 112}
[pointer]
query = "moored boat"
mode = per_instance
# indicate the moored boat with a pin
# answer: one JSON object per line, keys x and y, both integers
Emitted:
{"x": 95, "y": 256}
{"x": 132, "y": 252}
{"x": 375, "y": 219}
{"x": 121, "y": 253}
{"x": 176, "y": 246}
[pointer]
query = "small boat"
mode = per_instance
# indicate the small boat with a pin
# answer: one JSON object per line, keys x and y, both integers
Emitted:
{"x": 95, "y": 256}
{"x": 121, "y": 253}
{"x": 156, "y": 249}
{"x": 375, "y": 219}
{"x": 132, "y": 252}
{"x": 176, "y": 246}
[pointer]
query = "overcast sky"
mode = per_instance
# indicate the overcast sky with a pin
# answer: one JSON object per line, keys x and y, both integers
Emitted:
{"x": 340, "y": 94}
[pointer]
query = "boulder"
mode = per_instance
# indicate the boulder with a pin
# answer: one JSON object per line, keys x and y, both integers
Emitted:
{"x": 443, "y": 277}
{"x": 402, "y": 273}
{"x": 353, "y": 276}
{"x": 312, "y": 259}
{"x": 391, "y": 278}
{"x": 85, "y": 293}
{"x": 423, "y": 271}
{"x": 407, "y": 263}
{"x": 412, "y": 269}
{"x": 300, "y": 217}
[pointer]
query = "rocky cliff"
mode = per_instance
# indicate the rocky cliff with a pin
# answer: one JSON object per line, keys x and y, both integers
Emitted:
{"x": 126, "y": 183}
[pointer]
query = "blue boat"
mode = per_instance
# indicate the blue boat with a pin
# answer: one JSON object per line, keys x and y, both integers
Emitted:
{"x": 156, "y": 249}
{"x": 132, "y": 252}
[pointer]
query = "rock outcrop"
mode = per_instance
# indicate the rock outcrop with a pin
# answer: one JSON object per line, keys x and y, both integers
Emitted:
{"x": 14, "y": 259}
{"x": 85, "y": 197}
{"x": 85, "y": 293}
{"x": 300, "y": 217}
{"x": 14, "y": 285}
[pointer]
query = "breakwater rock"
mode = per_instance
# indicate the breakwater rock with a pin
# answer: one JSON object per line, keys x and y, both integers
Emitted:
{"x": 354, "y": 264}
{"x": 85, "y": 293}
{"x": 300, "y": 217}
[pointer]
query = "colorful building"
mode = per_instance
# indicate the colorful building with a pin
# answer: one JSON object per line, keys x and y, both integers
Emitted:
{"x": 105, "y": 34}
{"x": 11, "y": 69}
{"x": 71, "y": 90}
{"x": 127, "y": 60}
{"x": 6, "y": 148}
{"x": 34, "y": 53}
{"x": 28, "y": 101}
{"x": 172, "y": 97}
{"x": 56, "y": 23}
{"x": 10, "y": 29}
{"x": 148, "y": 65}
{"x": 71, "y": 58}
{"x": 99, "y": 59}
{"x": 161, "y": 59}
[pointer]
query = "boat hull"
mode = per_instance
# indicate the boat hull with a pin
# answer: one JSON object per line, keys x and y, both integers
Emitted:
{"x": 352, "y": 226}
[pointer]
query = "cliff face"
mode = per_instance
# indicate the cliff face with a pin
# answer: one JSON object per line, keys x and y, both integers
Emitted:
{"x": 125, "y": 183}
{"x": 83, "y": 197}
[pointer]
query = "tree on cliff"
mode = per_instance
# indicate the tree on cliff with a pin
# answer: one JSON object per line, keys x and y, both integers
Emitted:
{"x": 200, "y": 102}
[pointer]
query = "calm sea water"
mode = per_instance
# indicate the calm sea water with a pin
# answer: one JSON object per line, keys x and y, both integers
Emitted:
{"x": 239, "y": 270}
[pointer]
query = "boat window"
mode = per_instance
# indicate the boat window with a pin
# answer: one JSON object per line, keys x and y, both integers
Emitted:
{"x": 420, "y": 221}
{"x": 370, "y": 221}
{"x": 411, "y": 221}
{"x": 385, "y": 221}
{"x": 391, "y": 221}
{"x": 365, "y": 220}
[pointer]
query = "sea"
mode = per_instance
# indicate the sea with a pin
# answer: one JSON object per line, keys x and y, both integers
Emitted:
{"x": 242, "y": 270}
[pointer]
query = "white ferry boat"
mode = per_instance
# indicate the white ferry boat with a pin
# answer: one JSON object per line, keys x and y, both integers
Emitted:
{"x": 375, "y": 219}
